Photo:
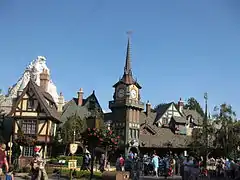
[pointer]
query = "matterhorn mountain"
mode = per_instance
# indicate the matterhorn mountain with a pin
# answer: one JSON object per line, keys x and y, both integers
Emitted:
{"x": 34, "y": 68}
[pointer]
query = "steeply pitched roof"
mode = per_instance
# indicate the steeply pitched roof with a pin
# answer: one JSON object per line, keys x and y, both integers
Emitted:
{"x": 127, "y": 77}
{"x": 71, "y": 108}
{"x": 83, "y": 111}
{"x": 163, "y": 137}
{"x": 198, "y": 119}
{"x": 42, "y": 96}
{"x": 161, "y": 109}
{"x": 179, "y": 119}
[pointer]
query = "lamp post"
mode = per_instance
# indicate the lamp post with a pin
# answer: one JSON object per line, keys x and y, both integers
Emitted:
{"x": 10, "y": 144}
{"x": 205, "y": 131}
{"x": 73, "y": 150}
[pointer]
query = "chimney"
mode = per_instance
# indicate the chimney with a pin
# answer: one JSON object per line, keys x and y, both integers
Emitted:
{"x": 60, "y": 102}
{"x": 148, "y": 108}
{"x": 44, "y": 79}
{"x": 180, "y": 105}
{"x": 80, "y": 97}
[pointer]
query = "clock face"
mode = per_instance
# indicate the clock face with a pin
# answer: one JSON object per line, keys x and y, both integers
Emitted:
{"x": 133, "y": 93}
{"x": 120, "y": 93}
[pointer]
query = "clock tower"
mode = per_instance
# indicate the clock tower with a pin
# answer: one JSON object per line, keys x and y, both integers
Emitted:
{"x": 126, "y": 107}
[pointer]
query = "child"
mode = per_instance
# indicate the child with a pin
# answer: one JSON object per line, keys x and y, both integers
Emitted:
{"x": 9, "y": 175}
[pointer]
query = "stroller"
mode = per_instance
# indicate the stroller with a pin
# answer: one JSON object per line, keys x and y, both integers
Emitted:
{"x": 162, "y": 168}
{"x": 148, "y": 167}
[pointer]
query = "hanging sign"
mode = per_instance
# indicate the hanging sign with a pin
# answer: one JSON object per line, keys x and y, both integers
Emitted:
{"x": 73, "y": 148}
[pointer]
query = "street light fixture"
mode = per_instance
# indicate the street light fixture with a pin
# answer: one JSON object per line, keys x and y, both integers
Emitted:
{"x": 205, "y": 124}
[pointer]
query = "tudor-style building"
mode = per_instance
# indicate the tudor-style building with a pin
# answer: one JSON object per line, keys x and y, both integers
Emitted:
{"x": 168, "y": 127}
{"x": 35, "y": 116}
{"x": 88, "y": 109}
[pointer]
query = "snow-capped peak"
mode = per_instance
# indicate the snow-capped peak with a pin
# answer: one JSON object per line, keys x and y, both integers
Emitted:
{"x": 35, "y": 67}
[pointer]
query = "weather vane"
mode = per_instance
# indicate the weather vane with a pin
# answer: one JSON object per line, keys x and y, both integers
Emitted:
{"x": 129, "y": 33}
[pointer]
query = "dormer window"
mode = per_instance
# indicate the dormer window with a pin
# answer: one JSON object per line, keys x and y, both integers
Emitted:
{"x": 165, "y": 121}
{"x": 30, "y": 104}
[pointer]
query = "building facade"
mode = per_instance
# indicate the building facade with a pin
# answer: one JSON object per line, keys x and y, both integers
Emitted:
{"x": 140, "y": 127}
{"x": 35, "y": 118}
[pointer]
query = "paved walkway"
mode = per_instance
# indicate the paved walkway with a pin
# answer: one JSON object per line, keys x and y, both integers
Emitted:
{"x": 153, "y": 177}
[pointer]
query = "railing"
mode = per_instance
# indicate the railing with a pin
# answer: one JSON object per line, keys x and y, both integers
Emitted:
{"x": 127, "y": 102}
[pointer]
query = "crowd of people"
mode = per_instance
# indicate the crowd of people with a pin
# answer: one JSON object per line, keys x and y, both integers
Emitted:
{"x": 37, "y": 166}
{"x": 189, "y": 167}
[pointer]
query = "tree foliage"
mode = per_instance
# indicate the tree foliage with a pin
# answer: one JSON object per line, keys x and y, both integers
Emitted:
{"x": 25, "y": 140}
{"x": 193, "y": 104}
{"x": 199, "y": 144}
{"x": 227, "y": 131}
{"x": 223, "y": 132}
{"x": 101, "y": 138}
{"x": 73, "y": 123}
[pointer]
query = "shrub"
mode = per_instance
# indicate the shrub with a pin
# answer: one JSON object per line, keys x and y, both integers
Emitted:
{"x": 67, "y": 158}
{"x": 79, "y": 174}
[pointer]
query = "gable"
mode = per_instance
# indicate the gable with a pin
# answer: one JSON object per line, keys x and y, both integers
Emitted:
{"x": 92, "y": 103}
{"x": 73, "y": 109}
{"x": 34, "y": 101}
{"x": 169, "y": 112}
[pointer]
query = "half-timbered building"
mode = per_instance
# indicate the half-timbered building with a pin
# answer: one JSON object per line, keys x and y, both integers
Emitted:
{"x": 35, "y": 117}
{"x": 167, "y": 127}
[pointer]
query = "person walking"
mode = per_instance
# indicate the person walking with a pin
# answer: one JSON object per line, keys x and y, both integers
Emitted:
{"x": 9, "y": 174}
{"x": 38, "y": 168}
{"x": 3, "y": 160}
{"x": 102, "y": 163}
{"x": 155, "y": 162}
{"x": 186, "y": 165}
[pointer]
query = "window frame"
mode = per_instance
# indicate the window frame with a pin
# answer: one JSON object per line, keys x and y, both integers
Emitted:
{"x": 165, "y": 121}
{"x": 28, "y": 151}
{"x": 29, "y": 130}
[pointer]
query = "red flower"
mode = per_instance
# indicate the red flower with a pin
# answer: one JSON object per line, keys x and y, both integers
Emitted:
{"x": 118, "y": 137}
{"x": 95, "y": 134}
{"x": 100, "y": 139}
{"x": 94, "y": 129}
{"x": 88, "y": 129}
{"x": 110, "y": 132}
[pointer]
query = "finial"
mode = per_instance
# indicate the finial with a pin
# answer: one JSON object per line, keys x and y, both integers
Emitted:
{"x": 61, "y": 93}
{"x": 129, "y": 33}
{"x": 93, "y": 92}
{"x": 31, "y": 75}
{"x": 206, "y": 96}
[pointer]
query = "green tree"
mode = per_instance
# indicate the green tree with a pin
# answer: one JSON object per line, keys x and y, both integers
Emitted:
{"x": 193, "y": 104}
{"x": 73, "y": 123}
{"x": 100, "y": 138}
{"x": 198, "y": 144}
{"x": 227, "y": 135}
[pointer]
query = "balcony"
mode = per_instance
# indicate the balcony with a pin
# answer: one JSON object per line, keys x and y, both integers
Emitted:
{"x": 126, "y": 102}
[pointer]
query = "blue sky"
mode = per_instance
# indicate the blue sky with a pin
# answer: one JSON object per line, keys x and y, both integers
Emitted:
{"x": 179, "y": 48}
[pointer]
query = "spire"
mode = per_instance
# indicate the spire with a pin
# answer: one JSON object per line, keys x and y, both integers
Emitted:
{"x": 127, "y": 68}
{"x": 127, "y": 77}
